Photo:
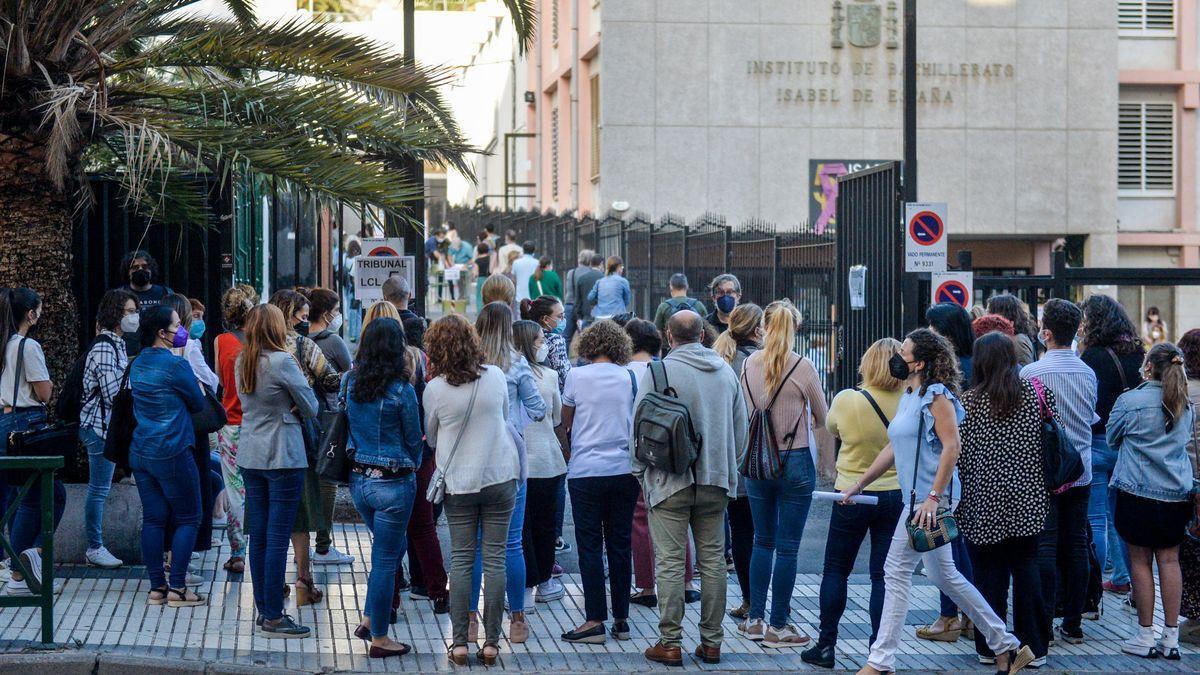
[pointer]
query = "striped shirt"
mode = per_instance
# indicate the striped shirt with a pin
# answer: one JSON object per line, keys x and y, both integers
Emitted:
{"x": 1074, "y": 386}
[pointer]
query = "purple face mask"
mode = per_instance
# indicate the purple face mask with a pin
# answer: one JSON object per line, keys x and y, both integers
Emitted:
{"x": 180, "y": 338}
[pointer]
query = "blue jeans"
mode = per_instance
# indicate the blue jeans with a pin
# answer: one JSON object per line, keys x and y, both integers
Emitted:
{"x": 170, "y": 494}
{"x": 272, "y": 499}
{"x": 1100, "y": 512}
{"x": 100, "y": 475}
{"x": 962, "y": 560}
{"x": 780, "y": 510}
{"x": 25, "y": 530}
{"x": 848, "y": 526}
{"x": 385, "y": 506}
{"x": 514, "y": 559}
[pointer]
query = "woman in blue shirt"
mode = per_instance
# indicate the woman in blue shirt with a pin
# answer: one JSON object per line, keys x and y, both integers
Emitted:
{"x": 165, "y": 393}
{"x": 385, "y": 450}
{"x": 924, "y": 445}
{"x": 1150, "y": 428}
{"x": 611, "y": 296}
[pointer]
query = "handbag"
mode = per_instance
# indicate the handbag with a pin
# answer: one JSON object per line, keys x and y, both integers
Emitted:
{"x": 1061, "y": 463}
{"x": 121, "y": 423}
{"x": 212, "y": 416}
{"x": 57, "y": 440}
{"x": 436, "y": 491}
{"x": 333, "y": 460}
{"x": 945, "y": 525}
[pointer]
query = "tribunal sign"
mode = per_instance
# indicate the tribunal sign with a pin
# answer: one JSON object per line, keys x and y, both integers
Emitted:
{"x": 370, "y": 273}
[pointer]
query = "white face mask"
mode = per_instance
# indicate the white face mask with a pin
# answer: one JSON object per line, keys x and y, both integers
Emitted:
{"x": 335, "y": 324}
{"x": 129, "y": 323}
{"x": 542, "y": 353}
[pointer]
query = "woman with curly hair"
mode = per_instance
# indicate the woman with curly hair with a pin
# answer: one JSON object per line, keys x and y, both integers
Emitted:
{"x": 1011, "y": 308}
{"x": 236, "y": 304}
{"x": 385, "y": 450}
{"x": 924, "y": 445}
{"x": 597, "y": 417}
{"x": 466, "y": 411}
{"x": 1189, "y": 551}
{"x": 1110, "y": 345}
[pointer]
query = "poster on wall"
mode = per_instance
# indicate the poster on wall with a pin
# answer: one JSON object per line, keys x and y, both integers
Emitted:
{"x": 823, "y": 187}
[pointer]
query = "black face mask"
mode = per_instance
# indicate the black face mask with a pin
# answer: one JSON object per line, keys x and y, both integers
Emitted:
{"x": 302, "y": 328}
{"x": 898, "y": 367}
{"x": 139, "y": 277}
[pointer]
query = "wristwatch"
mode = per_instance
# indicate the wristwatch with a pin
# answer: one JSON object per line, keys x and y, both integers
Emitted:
{"x": 935, "y": 496}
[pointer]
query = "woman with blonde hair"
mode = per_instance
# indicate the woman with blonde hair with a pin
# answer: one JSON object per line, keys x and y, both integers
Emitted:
{"x": 275, "y": 396}
{"x": 781, "y": 382}
{"x": 498, "y": 288}
{"x": 380, "y": 310}
{"x": 742, "y": 338}
{"x": 859, "y": 417}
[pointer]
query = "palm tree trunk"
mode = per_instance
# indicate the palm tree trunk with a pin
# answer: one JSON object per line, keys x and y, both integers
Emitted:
{"x": 35, "y": 246}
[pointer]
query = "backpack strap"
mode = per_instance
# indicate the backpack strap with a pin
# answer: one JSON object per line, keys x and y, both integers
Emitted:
{"x": 633, "y": 382}
{"x": 1120, "y": 369}
{"x": 878, "y": 411}
{"x": 666, "y": 389}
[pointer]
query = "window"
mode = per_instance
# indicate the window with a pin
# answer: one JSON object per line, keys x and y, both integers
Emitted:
{"x": 554, "y": 22}
{"x": 1146, "y": 17}
{"x": 1146, "y": 148}
{"x": 595, "y": 86}
{"x": 554, "y": 154}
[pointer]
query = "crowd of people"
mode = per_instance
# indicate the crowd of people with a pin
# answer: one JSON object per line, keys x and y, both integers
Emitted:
{"x": 557, "y": 392}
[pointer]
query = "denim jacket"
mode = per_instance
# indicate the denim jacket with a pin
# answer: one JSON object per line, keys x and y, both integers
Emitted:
{"x": 1152, "y": 462}
{"x": 523, "y": 394}
{"x": 165, "y": 393}
{"x": 385, "y": 432}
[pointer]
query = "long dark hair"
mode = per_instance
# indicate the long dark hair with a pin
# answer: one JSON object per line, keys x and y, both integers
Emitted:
{"x": 15, "y": 304}
{"x": 953, "y": 323}
{"x": 380, "y": 360}
{"x": 1107, "y": 325}
{"x": 941, "y": 367}
{"x": 994, "y": 369}
{"x": 1165, "y": 363}
{"x": 525, "y": 334}
{"x": 1011, "y": 308}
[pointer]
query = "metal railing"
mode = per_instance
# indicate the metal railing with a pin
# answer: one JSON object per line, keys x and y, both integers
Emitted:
{"x": 41, "y": 471}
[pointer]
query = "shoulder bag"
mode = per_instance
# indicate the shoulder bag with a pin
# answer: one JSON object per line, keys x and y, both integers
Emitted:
{"x": 57, "y": 440}
{"x": 763, "y": 459}
{"x": 333, "y": 459}
{"x": 945, "y": 526}
{"x": 121, "y": 423}
{"x": 1193, "y": 528}
{"x": 437, "y": 484}
{"x": 211, "y": 417}
{"x": 1120, "y": 368}
{"x": 878, "y": 411}
{"x": 1061, "y": 463}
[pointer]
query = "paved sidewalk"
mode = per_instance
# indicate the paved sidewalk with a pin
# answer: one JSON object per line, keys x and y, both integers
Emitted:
{"x": 105, "y": 612}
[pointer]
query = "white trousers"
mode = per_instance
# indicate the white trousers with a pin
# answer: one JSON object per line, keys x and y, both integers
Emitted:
{"x": 939, "y": 568}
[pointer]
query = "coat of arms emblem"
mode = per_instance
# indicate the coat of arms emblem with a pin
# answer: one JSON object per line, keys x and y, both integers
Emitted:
{"x": 863, "y": 23}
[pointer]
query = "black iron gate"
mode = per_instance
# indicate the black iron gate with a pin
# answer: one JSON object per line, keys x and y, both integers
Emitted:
{"x": 868, "y": 235}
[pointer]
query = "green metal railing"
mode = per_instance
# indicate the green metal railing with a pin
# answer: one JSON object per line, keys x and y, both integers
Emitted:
{"x": 40, "y": 469}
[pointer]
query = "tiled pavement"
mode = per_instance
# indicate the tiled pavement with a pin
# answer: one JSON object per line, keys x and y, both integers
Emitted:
{"x": 105, "y": 611}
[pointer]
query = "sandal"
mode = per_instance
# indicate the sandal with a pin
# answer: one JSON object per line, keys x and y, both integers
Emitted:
{"x": 307, "y": 592}
{"x": 184, "y": 598}
{"x": 236, "y": 565}
{"x": 157, "y": 596}
{"x": 484, "y": 657}
{"x": 457, "y": 659}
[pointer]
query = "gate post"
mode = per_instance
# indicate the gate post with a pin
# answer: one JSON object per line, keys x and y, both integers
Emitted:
{"x": 1061, "y": 288}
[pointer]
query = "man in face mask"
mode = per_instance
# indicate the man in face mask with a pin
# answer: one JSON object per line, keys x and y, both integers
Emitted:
{"x": 726, "y": 294}
{"x": 140, "y": 269}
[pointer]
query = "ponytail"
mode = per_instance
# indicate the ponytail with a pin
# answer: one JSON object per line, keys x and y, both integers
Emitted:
{"x": 782, "y": 321}
{"x": 1166, "y": 365}
{"x": 743, "y": 321}
{"x": 15, "y": 304}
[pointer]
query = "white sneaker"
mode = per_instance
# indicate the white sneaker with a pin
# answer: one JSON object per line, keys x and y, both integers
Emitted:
{"x": 788, "y": 636}
{"x": 32, "y": 559}
{"x": 530, "y": 606}
{"x": 102, "y": 557}
{"x": 5, "y": 571}
{"x": 59, "y": 585}
{"x": 550, "y": 591}
{"x": 1142, "y": 643}
{"x": 752, "y": 630}
{"x": 331, "y": 557}
{"x": 194, "y": 580}
{"x": 1036, "y": 663}
{"x": 220, "y": 523}
{"x": 1168, "y": 645}
{"x": 16, "y": 589}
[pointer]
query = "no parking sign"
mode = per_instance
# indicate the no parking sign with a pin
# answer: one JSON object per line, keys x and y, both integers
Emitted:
{"x": 924, "y": 237}
{"x": 956, "y": 287}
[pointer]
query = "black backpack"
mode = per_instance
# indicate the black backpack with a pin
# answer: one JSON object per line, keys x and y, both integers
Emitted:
{"x": 72, "y": 396}
{"x": 663, "y": 435}
{"x": 682, "y": 304}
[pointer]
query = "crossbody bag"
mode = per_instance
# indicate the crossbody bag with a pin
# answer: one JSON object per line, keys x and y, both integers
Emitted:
{"x": 945, "y": 525}
{"x": 437, "y": 485}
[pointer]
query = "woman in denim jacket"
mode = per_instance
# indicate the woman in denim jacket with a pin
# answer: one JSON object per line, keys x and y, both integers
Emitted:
{"x": 385, "y": 451}
{"x": 1150, "y": 427}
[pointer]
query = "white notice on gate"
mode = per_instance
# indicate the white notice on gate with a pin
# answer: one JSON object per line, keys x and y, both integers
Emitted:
{"x": 925, "y": 237}
{"x": 371, "y": 271}
{"x": 452, "y": 273}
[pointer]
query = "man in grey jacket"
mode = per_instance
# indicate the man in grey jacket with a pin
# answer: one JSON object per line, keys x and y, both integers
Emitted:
{"x": 698, "y": 497}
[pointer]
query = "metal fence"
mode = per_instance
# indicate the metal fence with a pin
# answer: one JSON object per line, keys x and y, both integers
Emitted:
{"x": 771, "y": 261}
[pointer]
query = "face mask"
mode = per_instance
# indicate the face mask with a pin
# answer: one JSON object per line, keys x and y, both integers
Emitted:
{"x": 560, "y": 326}
{"x": 335, "y": 324}
{"x": 541, "y": 354}
{"x": 898, "y": 367}
{"x": 180, "y": 338}
{"x": 139, "y": 277}
{"x": 302, "y": 328}
{"x": 197, "y": 330}
{"x": 726, "y": 303}
{"x": 129, "y": 323}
